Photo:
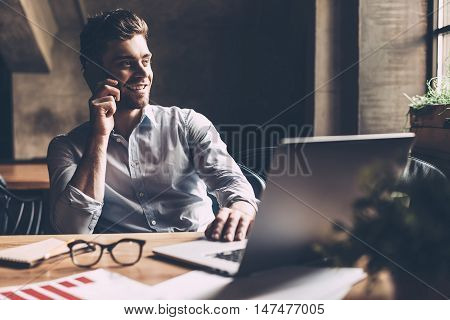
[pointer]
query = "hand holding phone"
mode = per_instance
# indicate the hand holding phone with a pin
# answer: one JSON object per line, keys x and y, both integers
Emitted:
{"x": 102, "y": 107}
{"x": 105, "y": 92}
{"x": 102, "y": 104}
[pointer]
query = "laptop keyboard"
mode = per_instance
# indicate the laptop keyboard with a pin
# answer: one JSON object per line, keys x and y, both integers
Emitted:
{"x": 235, "y": 255}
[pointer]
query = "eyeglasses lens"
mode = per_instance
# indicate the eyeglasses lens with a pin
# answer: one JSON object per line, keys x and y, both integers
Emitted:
{"x": 127, "y": 252}
{"x": 86, "y": 254}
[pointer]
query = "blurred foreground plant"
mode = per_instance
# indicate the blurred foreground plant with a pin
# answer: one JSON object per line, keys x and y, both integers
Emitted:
{"x": 404, "y": 222}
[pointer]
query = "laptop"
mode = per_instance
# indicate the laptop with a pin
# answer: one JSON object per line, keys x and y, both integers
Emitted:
{"x": 311, "y": 187}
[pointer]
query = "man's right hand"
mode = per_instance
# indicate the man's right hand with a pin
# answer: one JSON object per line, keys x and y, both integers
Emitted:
{"x": 102, "y": 107}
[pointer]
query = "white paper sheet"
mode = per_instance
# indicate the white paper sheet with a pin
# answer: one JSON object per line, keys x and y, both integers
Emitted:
{"x": 282, "y": 283}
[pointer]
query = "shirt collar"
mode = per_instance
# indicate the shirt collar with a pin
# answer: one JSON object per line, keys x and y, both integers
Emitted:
{"x": 149, "y": 112}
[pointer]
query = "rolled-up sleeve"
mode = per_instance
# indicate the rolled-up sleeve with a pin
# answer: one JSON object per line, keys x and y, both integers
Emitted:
{"x": 71, "y": 211}
{"x": 214, "y": 164}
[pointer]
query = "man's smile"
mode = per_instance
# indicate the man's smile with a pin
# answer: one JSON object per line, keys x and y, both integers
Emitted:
{"x": 139, "y": 88}
{"x": 136, "y": 87}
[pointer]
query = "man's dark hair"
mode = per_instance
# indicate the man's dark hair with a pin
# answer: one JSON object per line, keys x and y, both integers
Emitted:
{"x": 118, "y": 24}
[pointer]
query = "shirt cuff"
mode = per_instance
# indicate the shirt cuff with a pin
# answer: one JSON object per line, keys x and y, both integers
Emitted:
{"x": 254, "y": 203}
{"x": 79, "y": 200}
{"x": 76, "y": 212}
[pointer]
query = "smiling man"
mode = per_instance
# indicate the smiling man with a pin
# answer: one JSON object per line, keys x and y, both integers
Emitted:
{"x": 136, "y": 167}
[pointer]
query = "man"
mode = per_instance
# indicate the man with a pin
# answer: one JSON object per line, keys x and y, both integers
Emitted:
{"x": 136, "y": 167}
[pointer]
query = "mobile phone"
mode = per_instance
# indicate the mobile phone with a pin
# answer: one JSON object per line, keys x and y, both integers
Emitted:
{"x": 95, "y": 74}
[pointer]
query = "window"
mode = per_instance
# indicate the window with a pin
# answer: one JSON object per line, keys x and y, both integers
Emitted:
{"x": 442, "y": 32}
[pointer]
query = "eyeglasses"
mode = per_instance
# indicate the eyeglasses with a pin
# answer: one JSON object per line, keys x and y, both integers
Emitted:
{"x": 125, "y": 252}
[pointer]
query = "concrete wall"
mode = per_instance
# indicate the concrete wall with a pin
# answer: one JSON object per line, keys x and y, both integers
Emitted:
{"x": 48, "y": 104}
{"x": 392, "y": 50}
{"x": 43, "y": 24}
{"x": 25, "y": 41}
{"x": 336, "y": 67}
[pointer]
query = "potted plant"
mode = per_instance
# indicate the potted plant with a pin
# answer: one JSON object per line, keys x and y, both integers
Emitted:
{"x": 430, "y": 109}
{"x": 403, "y": 228}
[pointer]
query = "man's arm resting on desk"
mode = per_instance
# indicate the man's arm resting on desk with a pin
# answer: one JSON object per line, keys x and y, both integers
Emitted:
{"x": 232, "y": 223}
{"x": 221, "y": 173}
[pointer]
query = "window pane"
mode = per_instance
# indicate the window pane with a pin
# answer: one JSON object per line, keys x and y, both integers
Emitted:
{"x": 446, "y": 12}
{"x": 443, "y": 40}
{"x": 446, "y": 54}
{"x": 443, "y": 55}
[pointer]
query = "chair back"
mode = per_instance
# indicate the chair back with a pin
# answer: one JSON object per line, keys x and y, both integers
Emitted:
{"x": 19, "y": 215}
{"x": 418, "y": 171}
{"x": 257, "y": 160}
{"x": 256, "y": 181}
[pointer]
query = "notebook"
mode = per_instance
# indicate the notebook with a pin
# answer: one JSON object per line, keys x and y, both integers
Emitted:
{"x": 32, "y": 254}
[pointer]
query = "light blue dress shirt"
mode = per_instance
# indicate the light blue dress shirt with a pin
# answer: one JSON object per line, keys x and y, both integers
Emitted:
{"x": 157, "y": 181}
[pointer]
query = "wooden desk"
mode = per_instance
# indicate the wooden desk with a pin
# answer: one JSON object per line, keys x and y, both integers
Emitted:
{"x": 22, "y": 176}
{"x": 148, "y": 270}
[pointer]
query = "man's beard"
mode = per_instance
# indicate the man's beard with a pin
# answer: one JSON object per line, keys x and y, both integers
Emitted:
{"x": 128, "y": 102}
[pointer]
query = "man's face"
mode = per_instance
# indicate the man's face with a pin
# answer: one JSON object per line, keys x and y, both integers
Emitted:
{"x": 129, "y": 61}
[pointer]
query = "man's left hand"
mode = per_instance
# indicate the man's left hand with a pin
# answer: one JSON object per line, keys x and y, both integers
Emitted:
{"x": 232, "y": 223}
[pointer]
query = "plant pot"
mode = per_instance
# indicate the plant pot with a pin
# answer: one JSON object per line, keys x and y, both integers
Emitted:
{"x": 431, "y": 124}
{"x": 430, "y": 116}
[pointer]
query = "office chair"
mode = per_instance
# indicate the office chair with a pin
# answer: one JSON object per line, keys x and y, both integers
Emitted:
{"x": 19, "y": 215}
{"x": 257, "y": 160}
{"x": 427, "y": 185}
{"x": 419, "y": 172}
{"x": 253, "y": 178}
